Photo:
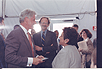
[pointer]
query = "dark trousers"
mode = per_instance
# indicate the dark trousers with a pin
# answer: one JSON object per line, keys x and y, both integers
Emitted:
{"x": 88, "y": 64}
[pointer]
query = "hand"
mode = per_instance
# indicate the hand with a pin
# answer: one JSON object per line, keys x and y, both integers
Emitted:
{"x": 40, "y": 57}
{"x": 36, "y": 61}
{"x": 51, "y": 44}
{"x": 47, "y": 52}
{"x": 38, "y": 48}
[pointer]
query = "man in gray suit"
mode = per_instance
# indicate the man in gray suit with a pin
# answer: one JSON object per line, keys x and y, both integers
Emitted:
{"x": 45, "y": 43}
{"x": 19, "y": 50}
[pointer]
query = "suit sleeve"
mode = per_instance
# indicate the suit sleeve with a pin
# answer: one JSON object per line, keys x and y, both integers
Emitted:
{"x": 2, "y": 48}
{"x": 12, "y": 46}
{"x": 51, "y": 48}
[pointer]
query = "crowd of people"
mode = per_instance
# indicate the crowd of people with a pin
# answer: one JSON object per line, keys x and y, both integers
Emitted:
{"x": 44, "y": 49}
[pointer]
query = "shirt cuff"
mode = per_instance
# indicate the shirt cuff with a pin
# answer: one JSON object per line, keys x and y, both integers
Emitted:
{"x": 30, "y": 61}
{"x": 42, "y": 48}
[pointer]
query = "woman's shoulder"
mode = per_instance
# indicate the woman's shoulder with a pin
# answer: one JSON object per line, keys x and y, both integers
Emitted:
{"x": 70, "y": 48}
{"x": 89, "y": 41}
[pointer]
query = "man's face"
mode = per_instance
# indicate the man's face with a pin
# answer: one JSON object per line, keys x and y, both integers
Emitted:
{"x": 44, "y": 24}
{"x": 31, "y": 22}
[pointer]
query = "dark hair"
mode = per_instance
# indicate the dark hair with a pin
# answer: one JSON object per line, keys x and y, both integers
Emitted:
{"x": 1, "y": 18}
{"x": 56, "y": 31}
{"x": 46, "y": 18}
{"x": 88, "y": 33}
{"x": 16, "y": 26}
{"x": 75, "y": 25}
{"x": 71, "y": 34}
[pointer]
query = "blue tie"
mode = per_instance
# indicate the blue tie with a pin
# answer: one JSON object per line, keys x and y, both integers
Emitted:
{"x": 43, "y": 39}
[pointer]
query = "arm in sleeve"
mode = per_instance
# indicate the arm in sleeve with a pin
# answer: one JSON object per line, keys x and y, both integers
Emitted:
{"x": 51, "y": 48}
{"x": 62, "y": 60}
{"x": 12, "y": 47}
{"x": 2, "y": 48}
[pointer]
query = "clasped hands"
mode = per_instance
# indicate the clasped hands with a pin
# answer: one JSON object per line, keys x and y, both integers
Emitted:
{"x": 39, "y": 48}
{"x": 38, "y": 59}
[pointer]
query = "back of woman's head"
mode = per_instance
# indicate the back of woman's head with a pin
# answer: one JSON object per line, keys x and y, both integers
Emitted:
{"x": 88, "y": 33}
{"x": 71, "y": 34}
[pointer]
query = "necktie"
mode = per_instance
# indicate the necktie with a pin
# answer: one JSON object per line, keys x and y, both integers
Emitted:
{"x": 30, "y": 41}
{"x": 43, "y": 39}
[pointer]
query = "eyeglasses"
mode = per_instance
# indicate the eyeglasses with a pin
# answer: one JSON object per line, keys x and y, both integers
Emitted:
{"x": 43, "y": 23}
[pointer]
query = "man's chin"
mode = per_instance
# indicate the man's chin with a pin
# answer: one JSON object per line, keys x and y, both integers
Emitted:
{"x": 44, "y": 28}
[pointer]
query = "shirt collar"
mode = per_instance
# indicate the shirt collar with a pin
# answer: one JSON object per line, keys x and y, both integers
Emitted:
{"x": 24, "y": 29}
{"x": 44, "y": 33}
{"x": 86, "y": 39}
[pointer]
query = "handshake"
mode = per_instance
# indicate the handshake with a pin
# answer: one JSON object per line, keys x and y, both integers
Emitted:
{"x": 38, "y": 59}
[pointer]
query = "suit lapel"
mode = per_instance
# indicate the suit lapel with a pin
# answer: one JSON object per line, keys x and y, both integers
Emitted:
{"x": 39, "y": 38}
{"x": 26, "y": 41}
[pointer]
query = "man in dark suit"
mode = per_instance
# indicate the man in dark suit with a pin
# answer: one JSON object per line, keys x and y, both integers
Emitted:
{"x": 75, "y": 26}
{"x": 19, "y": 50}
{"x": 46, "y": 43}
{"x": 95, "y": 43}
{"x": 2, "y": 47}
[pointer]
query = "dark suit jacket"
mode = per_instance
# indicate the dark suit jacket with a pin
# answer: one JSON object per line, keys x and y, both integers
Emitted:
{"x": 49, "y": 39}
{"x": 95, "y": 43}
{"x": 18, "y": 49}
{"x": 2, "y": 53}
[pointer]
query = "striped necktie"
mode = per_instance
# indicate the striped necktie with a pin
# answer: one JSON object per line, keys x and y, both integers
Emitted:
{"x": 43, "y": 39}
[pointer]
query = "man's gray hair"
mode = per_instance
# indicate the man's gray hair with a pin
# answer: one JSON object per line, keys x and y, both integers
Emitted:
{"x": 26, "y": 13}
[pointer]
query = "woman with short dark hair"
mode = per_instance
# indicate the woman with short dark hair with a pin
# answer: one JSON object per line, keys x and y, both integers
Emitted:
{"x": 68, "y": 57}
{"x": 86, "y": 54}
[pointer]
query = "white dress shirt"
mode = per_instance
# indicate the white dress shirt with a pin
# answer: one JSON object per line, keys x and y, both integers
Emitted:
{"x": 30, "y": 59}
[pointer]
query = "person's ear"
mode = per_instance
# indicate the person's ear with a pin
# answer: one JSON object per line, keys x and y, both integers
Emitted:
{"x": 66, "y": 40}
